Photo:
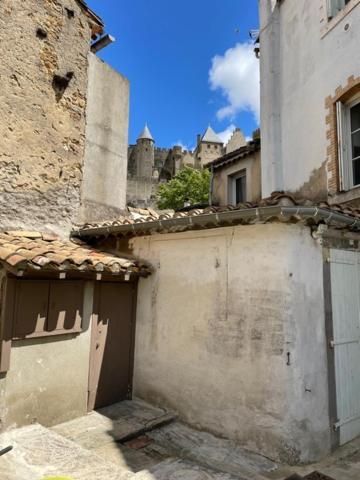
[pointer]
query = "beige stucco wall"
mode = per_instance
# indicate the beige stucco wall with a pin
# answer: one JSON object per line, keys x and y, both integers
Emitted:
{"x": 106, "y": 146}
{"x": 215, "y": 324}
{"x": 48, "y": 377}
{"x": 253, "y": 179}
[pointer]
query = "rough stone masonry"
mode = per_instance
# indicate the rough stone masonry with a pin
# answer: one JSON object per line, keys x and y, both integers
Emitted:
{"x": 43, "y": 75}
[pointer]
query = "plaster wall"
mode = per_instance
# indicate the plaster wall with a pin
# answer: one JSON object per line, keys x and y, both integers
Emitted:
{"x": 216, "y": 323}
{"x": 42, "y": 128}
{"x": 302, "y": 62}
{"x": 253, "y": 179}
{"x": 237, "y": 140}
{"x": 107, "y": 123}
{"x": 48, "y": 377}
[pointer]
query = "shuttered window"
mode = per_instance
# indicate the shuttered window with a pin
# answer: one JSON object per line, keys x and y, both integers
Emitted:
{"x": 348, "y": 130}
{"x": 44, "y": 308}
{"x": 335, "y": 6}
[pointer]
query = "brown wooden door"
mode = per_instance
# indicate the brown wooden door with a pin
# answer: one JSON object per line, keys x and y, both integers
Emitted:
{"x": 111, "y": 362}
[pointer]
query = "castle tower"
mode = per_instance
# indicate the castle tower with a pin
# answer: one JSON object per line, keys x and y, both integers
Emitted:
{"x": 145, "y": 154}
{"x": 209, "y": 147}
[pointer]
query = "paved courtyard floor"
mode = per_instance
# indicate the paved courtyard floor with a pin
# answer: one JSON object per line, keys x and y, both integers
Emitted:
{"x": 133, "y": 440}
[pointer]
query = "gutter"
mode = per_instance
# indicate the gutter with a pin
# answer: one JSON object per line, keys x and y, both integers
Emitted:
{"x": 220, "y": 219}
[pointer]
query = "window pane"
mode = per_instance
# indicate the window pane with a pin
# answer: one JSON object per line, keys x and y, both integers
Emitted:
{"x": 241, "y": 189}
{"x": 355, "y": 142}
{"x": 355, "y": 117}
{"x": 356, "y": 172}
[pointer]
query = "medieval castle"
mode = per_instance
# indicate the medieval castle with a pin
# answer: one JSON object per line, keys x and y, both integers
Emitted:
{"x": 148, "y": 165}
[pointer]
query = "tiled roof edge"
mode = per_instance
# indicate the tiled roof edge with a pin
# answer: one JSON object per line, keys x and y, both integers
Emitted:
{"x": 249, "y": 149}
{"x": 220, "y": 219}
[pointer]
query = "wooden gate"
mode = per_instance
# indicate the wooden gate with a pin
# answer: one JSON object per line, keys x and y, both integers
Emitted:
{"x": 112, "y": 344}
{"x": 345, "y": 293}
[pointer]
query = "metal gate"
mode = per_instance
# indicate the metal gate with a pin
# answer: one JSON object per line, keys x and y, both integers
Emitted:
{"x": 345, "y": 293}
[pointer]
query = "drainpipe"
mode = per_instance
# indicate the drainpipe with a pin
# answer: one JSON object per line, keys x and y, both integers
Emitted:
{"x": 211, "y": 185}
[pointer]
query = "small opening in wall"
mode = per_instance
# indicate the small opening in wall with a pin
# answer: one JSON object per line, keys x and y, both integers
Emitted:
{"x": 70, "y": 13}
{"x": 41, "y": 33}
{"x": 60, "y": 84}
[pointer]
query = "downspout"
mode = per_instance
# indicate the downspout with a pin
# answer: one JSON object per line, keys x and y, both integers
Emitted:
{"x": 211, "y": 185}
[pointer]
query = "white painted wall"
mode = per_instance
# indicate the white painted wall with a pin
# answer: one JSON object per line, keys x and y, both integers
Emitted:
{"x": 215, "y": 323}
{"x": 300, "y": 67}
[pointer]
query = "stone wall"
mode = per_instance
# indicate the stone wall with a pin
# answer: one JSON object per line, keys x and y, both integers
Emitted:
{"x": 141, "y": 191}
{"x": 43, "y": 47}
{"x": 231, "y": 334}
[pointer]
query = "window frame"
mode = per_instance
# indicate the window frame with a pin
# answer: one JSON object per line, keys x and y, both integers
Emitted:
{"x": 329, "y": 20}
{"x": 232, "y": 185}
{"x": 346, "y": 175}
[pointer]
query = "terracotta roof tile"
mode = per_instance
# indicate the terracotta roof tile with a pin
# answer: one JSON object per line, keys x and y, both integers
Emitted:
{"x": 44, "y": 252}
{"x": 139, "y": 216}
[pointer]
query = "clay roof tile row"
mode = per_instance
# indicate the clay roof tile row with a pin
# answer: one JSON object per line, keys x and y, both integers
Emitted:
{"x": 136, "y": 216}
{"x": 34, "y": 252}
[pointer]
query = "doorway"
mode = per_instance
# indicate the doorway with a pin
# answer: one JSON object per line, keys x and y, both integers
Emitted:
{"x": 112, "y": 344}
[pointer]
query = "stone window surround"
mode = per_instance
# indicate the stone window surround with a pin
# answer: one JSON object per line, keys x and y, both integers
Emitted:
{"x": 343, "y": 94}
{"x": 326, "y": 24}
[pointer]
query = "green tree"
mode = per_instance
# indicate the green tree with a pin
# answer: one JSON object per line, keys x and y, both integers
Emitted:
{"x": 188, "y": 185}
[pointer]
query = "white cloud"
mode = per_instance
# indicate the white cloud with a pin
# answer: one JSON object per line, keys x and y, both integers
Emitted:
{"x": 179, "y": 143}
{"x": 225, "y": 135}
{"x": 236, "y": 75}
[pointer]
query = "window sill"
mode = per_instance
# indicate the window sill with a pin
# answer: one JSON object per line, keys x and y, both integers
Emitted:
{"x": 338, "y": 18}
{"x": 348, "y": 196}
{"x": 49, "y": 334}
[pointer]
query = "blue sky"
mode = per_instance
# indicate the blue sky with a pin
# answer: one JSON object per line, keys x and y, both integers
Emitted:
{"x": 189, "y": 64}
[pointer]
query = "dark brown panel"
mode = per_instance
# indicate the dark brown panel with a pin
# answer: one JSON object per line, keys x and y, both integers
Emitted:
{"x": 31, "y": 306}
{"x": 8, "y": 289}
{"x": 112, "y": 344}
{"x": 65, "y": 306}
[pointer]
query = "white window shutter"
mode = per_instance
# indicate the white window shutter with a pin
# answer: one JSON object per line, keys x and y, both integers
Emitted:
{"x": 334, "y": 7}
{"x": 344, "y": 164}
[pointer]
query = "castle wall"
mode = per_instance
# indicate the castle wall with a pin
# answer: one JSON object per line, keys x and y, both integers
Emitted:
{"x": 141, "y": 191}
{"x": 207, "y": 152}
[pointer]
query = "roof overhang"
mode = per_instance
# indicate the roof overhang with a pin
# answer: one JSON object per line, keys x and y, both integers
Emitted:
{"x": 97, "y": 25}
{"x": 311, "y": 215}
{"x": 35, "y": 253}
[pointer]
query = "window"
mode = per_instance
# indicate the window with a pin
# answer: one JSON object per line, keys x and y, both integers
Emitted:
{"x": 348, "y": 118}
{"x": 335, "y": 6}
{"x": 237, "y": 188}
{"x": 44, "y": 308}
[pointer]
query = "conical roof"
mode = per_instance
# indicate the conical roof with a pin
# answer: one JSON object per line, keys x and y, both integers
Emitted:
{"x": 210, "y": 136}
{"x": 145, "y": 134}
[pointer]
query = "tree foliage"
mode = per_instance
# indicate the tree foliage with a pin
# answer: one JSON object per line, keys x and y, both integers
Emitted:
{"x": 188, "y": 185}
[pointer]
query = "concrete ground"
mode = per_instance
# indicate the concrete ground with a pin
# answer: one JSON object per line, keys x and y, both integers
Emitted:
{"x": 133, "y": 440}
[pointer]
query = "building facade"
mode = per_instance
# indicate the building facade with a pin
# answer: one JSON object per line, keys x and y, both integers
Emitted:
{"x": 310, "y": 78}
{"x": 237, "y": 176}
{"x": 63, "y": 160}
